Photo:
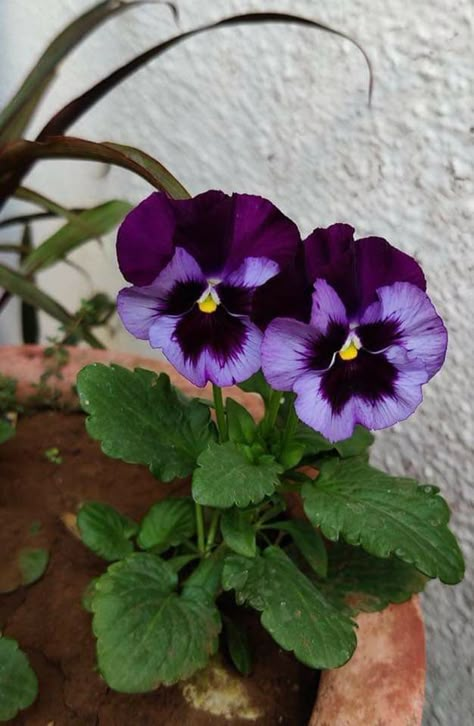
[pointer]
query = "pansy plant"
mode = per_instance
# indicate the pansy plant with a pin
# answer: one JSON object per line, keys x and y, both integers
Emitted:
{"x": 336, "y": 337}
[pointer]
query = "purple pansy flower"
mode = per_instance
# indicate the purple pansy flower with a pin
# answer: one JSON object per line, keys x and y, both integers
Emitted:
{"x": 195, "y": 265}
{"x": 374, "y": 338}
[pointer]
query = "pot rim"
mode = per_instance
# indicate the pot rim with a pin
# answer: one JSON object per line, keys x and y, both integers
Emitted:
{"x": 384, "y": 681}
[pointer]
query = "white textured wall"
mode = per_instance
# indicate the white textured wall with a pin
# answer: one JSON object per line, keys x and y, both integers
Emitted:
{"x": 282, "y": 112}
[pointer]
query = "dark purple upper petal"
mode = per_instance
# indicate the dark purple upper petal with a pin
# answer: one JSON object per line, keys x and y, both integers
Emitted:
{"x": 145, "y": 241}
{"x": 355, "y": 269}
{"x": 287, "y": 295}
{"x": 219, "y": 231}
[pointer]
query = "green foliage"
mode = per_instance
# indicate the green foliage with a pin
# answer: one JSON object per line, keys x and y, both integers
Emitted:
{"x": 314, "y": 443}
{"x": 358, "y": 581}
{"x": 53, "y": 455}
{"x": 227, "y": 476}
{"x": 8, "y": 399}
{"x": 238, "y": 646}
{"x": 257, "y": 384}
{"x": 238, "y": 532}
{"x": 308, "y": 541}
{"x": 168, "y": 523}
{"x": 147, "y": 633}
{"x": 33, "y": 562}
{"x": 241, "y": 426}
{"x": 105, "y": 531}
{"x": 6, "y": 430}
{"x": 140, "y": 418}
{"x": 294, "y": 612}
{"x": 385, "y": 515}
{"x": 18, "y": 682}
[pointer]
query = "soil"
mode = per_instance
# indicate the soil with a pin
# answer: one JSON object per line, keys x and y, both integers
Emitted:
{"x": 47, "y": 618}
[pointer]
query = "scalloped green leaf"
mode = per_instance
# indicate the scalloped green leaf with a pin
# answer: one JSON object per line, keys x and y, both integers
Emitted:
{"x": 141, "y": 418}
{"x": 385, "y": 515}
{"x": 226, "y": 476}
{"x": 359, "y": 582}
{"x": 167, "y": 524}
{"x": 105, "y": 531}
{"x": 238, "y": 532}
{"x": 147, "y": 633}
{"x": 294, "y": 611}
{"x": 33, "y": 562}
{"x": 18, "y": 682}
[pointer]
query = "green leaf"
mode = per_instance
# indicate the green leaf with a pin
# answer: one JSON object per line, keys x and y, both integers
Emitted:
{"x": 6, "y": 430}
{"x": 238, "y": 646}
{"x": 239, "y": 532}
{"x": 88, "y": 594}
{"x": 167, "y": 524}
{"x": 308, "y": 541}
{"x": 257, "y": 384}
{"x": 359, "y": 582}
{"x": 385, "y": 515}
{"x": 140, "y": 418}
{"x": 147, "y": 634}
{"x": 205, "y": 582}
{"x": 17, "y": 157}
{"x": 294, "y": 612}
{"x": 33, "y": 562}
{"x": 15, "y": 116}
{"x": 97, "y": 221}
{"x": 314, "y": 443}
{"x": 226, "y": 476}
{"x": 242, "y": 427}
{"x": 17, "y": 284}
{"x": 18, "y": 682}
{"x": 357, "y": 444}
{"x": 105, "y": 531}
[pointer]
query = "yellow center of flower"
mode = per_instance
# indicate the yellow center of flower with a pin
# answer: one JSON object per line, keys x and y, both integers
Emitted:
{"x": 209, "y": 300}
{"x": 349, "y": 353}
{"x": 351, "y": 347}
{"x": 208, "y": 305}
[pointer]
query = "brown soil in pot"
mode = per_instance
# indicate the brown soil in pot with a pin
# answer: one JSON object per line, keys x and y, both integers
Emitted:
{"x": 49, "y": 622}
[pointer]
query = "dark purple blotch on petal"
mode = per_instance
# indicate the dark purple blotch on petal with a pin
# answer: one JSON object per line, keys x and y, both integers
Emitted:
{"x": 379, "y": 335}
{"x": 372, "y": 377}
{"x": 220, "y": 333}
{"x": 357, "y": 268}
{"x": 325, "y": 347}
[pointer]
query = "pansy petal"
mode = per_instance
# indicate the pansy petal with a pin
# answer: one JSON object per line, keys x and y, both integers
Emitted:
{"x": 217, "y": 347}
{"x": 415, "y": 323}
{"x": 286, "y": 352}
{"x": 355, "y": 269}
{"x": 406, "y": 397}
{"x": 253, "y": 272}
{"x": 314, "y": 409}
{"x": 260, "y": 230}
{"x": 287, "y": 295}
{"x": 137, "y": 308}
{"x": 327, "y": 307}
{"x": 145, "y": 239}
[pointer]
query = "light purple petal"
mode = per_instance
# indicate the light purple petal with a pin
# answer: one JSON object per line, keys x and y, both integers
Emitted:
{"x": 286, "y": 350}
{"x": 421, "y": 331}
{"x": 253, "y": 272}
{"x": 327, "y": 307}
{"x": 137, "y": 309}
{"x": 314, "y": 409}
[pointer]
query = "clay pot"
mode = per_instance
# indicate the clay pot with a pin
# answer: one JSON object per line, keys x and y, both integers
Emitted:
{"x": 383, "y": 684}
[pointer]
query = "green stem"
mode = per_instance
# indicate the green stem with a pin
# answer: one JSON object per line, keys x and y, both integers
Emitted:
{"x": 272, "y": 411}
{"x": 220, "y": 412}
{"x": 290, "y": 427}
{"x": 200, "y": 528}
{"x": 211, "y": 535}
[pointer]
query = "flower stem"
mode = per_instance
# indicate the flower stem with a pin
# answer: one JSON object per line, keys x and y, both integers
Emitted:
{"x": 200, "y": 528}
{"x": 272, "y": 411}
{"x": 220, "y": 412}
{"x": 290, "y": 427}
{"x": 211, "y": 535}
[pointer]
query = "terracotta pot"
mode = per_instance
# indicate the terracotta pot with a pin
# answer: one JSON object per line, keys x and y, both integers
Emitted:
{"x": 383, "y": 684}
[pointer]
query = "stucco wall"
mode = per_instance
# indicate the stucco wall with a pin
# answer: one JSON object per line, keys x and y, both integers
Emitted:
{"x": 282, "y": 112}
